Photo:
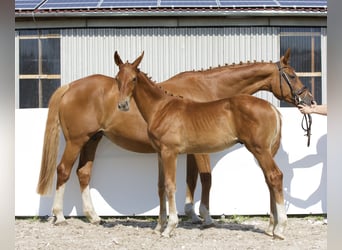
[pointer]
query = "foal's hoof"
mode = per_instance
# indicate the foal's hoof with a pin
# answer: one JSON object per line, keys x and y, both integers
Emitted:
{"x": 165, "y": 235}
{"x": 98, "y": 222}
{"x": 278, "y": 236}
{"x": 269, "y": 233}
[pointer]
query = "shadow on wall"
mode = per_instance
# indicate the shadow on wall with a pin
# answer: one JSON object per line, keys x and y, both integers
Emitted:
{"x": 318, "y": 160}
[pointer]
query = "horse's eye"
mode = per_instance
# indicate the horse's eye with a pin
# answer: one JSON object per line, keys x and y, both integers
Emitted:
{"x": 134, "y": 79}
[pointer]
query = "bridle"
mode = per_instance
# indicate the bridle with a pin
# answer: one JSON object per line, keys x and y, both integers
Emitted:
{"x": 296, "y": 98}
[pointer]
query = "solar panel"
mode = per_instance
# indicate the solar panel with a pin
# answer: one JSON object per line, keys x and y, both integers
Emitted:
{"x": 70, "y": 4}
{"x": 188, "y": 3}
{"x": 303, "y": 3}
{"x": 92, "y": 4}
{"x": 129, "y": 3}
{"x": 27, "y": 4}
{"x": 250, "y": 3}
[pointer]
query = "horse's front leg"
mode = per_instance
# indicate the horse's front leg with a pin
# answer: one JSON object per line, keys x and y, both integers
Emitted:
{"x": 169, "y": 161}
{"x": 162, "y": 199}
{"x": 84, "y": 174}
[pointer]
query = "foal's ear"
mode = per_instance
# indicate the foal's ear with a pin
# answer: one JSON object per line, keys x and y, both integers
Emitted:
{"x": 117, "y": 58}
{"x": 286, "y": 58}
{"x": 138, "y": 60}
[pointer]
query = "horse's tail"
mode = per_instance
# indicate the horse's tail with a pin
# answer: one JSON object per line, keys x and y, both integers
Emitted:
{"x": 277, "y": 136}
{"x": 51, "y": 143}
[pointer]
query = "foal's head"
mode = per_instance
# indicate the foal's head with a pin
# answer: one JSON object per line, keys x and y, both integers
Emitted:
{"x": 291, "y": 88}
{"x": 127, "y": 79}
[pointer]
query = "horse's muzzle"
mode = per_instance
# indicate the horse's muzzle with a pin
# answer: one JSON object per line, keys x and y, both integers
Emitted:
{"x": 123, "y": 106}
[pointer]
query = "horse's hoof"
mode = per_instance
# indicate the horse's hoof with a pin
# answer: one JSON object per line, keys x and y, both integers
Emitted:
{"x": 278, "y": 237}
{"x": 208, "y": 225}
{"x": 60, "y": 223}
{"x": 106, "y": 224}
{"x": 196, "y": 220}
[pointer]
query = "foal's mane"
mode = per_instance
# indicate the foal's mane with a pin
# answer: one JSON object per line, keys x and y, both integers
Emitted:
{"x": 156, "y": 85}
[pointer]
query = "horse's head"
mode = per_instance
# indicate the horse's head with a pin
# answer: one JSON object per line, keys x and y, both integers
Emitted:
{"x": 292, "y": 89}
{"x": 127, "y": 79}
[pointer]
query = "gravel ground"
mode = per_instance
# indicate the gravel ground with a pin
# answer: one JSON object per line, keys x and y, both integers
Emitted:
{"x": 236, "y": 232}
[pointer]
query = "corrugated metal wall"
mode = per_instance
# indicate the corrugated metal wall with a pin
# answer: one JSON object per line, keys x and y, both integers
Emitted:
{"x": 168, "y": 51}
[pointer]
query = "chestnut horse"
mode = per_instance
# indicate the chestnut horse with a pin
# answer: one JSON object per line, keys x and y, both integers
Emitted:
{"x": 84, "y": 110}
{"x": 176, "y": 126}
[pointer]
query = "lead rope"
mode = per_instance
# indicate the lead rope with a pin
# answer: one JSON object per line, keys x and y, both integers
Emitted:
{"x": 308, "y": 122}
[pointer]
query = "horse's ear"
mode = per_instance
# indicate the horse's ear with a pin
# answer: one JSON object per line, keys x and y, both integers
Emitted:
{"x": 117, "y": 59}
{"x": 138, "y": 60}
{"x": 286, "y": 58}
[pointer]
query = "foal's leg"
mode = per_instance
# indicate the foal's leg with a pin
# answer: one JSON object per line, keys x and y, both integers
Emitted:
{"x": 169, "y": 160}
{"x": 274, "y": 180}
{"x": 84, "y": 174}
{"x": 162, "y": 220}
{"x": 70, "y": 154}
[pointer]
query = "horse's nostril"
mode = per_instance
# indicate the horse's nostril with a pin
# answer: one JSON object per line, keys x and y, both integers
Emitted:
{"x": 123, "y": 106}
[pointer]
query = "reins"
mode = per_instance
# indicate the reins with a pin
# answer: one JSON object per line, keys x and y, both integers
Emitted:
{"x": 307, "y": 119}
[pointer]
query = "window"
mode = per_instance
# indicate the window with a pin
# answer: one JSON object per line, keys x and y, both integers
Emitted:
{"x": 305, "y": 44}
{"x": 39, "y": 67}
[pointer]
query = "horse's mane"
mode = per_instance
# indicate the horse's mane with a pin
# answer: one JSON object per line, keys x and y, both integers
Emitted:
{"x": 233, "y": 65}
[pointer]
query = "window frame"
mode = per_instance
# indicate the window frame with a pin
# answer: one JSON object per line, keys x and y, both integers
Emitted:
{"x": 40, "y": 76}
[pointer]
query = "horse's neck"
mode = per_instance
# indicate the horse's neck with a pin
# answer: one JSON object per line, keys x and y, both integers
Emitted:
{"x": 148, "y": 97}
{"x": 247, "y": 79}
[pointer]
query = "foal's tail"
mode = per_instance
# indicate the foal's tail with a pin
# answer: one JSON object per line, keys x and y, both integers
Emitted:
{"x": 51, "y": 143}
{"x": 277, "y": 136}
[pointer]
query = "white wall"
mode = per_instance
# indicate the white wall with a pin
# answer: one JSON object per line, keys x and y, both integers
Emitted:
{"x": 125, "y": 183}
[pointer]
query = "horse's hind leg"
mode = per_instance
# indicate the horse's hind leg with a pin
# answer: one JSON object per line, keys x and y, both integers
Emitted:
{"x": 70, "y": 154}
{"x": 191, "y": 181}
{"x": 198, "y": 163}
{"x": 84, "y": 170}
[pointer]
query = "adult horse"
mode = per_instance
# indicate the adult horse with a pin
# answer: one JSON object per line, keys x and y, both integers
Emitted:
{"x": 176, "y": 125}
{"x": 84, "y": 109}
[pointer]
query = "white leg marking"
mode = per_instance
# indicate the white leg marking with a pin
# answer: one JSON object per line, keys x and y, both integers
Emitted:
{"x": 57, "y": 208}
{"x": 208, "y": 221}
{"x": 190, "y": 212}
{"x": 88, "y": 207}
{"x": 281, "y": 222}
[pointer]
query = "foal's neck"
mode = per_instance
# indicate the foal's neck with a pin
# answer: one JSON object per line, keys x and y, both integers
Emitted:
{"x": 148, "y": 96}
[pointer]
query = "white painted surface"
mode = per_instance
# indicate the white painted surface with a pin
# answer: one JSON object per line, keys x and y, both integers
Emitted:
{"x": 125, "y": 183}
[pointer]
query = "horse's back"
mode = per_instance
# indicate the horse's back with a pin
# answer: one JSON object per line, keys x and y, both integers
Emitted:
{"x": 86, "y": 104}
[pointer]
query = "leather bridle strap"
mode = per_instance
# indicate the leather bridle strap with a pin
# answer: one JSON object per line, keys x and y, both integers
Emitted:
{"x": 296, "y": 97}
